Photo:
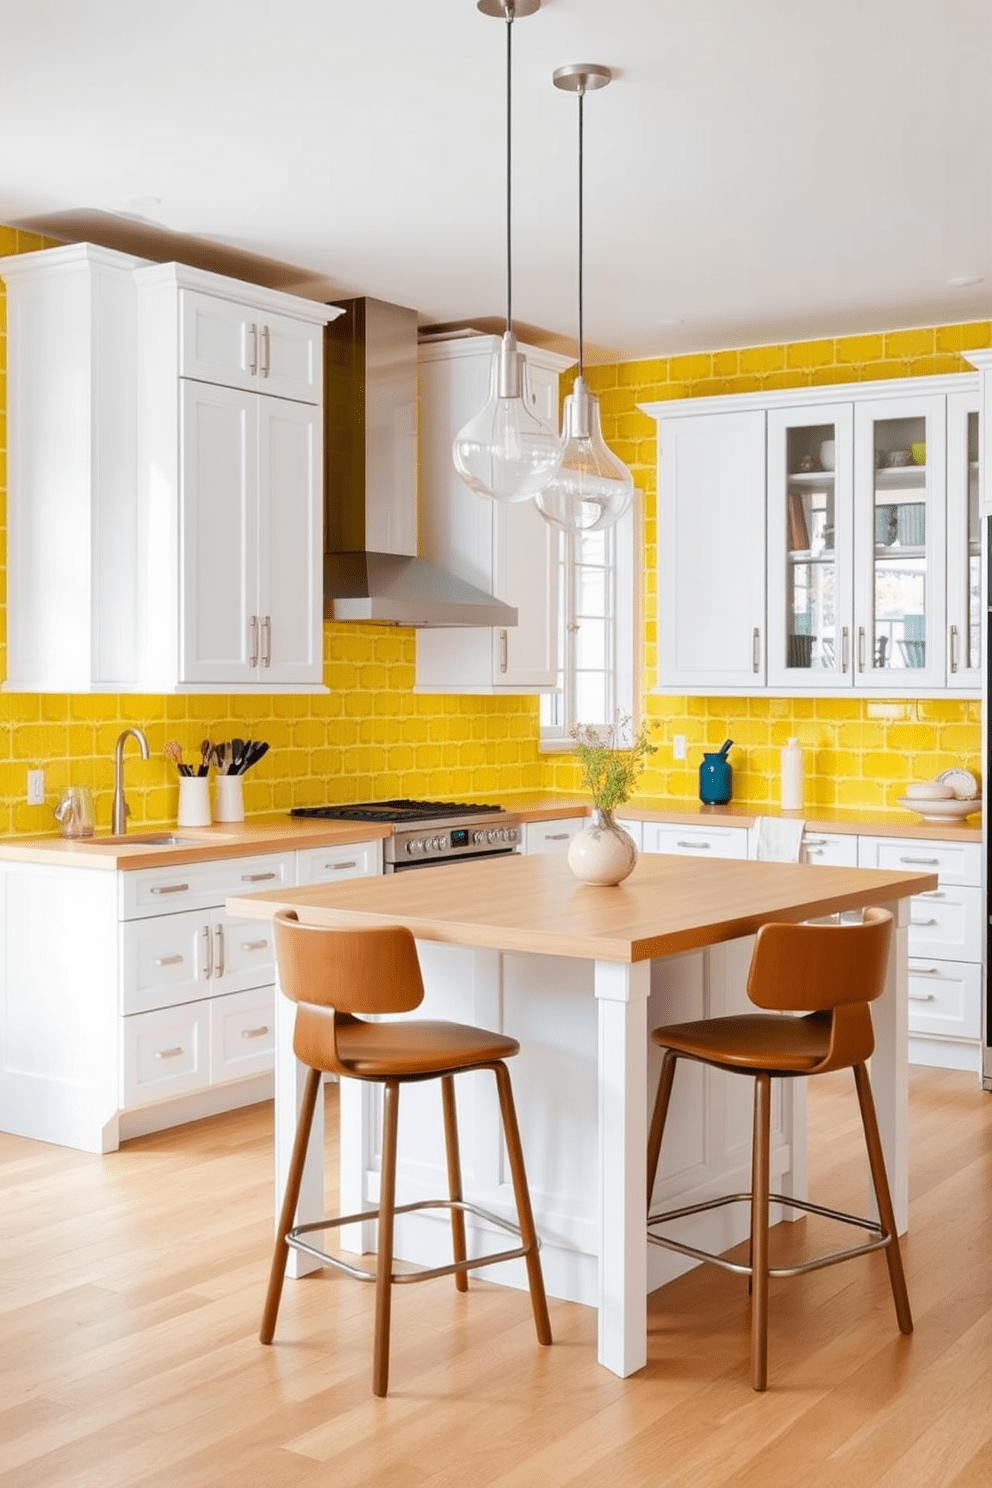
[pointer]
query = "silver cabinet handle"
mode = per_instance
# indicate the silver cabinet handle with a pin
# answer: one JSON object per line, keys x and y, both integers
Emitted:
{"x": 253, "y": 641}
{"x": 170, "y": 888}
{"x": 953, "y": 657}
{"x": 755, "y": 649}
{"x": 208, "y": 965}
{"x": 503, "y": 646}
{"x": 167, "y": 960}
{"x": 254, "y": 945}
{"x": 845, "y": 648}
{"x": 219, "y": 940}
{"x": 266, "y": 640}
{"x": 922, "y": 862}
{"x": 556, "y": 836}
{"x": 256, "y": 877}
{"x": 340, "y": 867}
{"x": 921, "y": 924}
{"x": 696, "y": 846}
{"x": 861, "y": 648}
{"x": 924, "y": 971}
{"x": 169, "y": 1053}
{"x": 253, "y": 360}
{"x": 265, "y": 351}
{"x": 922, "y": 997}
{"x": 253, "y": 1033}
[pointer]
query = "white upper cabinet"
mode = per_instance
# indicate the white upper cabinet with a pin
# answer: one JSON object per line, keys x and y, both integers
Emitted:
{"x": 251, "y": 347}
{"x": 506, "y": 550}
{"x": 711, "y": 550}
{"x": 165, "y": 500}
{"x": 867, "y": 523}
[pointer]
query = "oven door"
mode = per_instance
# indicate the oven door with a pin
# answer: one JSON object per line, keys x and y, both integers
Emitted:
{"x": 500, "y": 852}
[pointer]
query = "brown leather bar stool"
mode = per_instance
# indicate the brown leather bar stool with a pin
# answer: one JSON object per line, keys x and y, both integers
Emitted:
{"x": 334, "y": 975}
{"x": 829, "y": 973}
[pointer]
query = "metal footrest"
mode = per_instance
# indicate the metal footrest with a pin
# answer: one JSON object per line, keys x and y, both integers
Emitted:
{"x": 829, "y": 1259}
{"x": 418, "y": 1273}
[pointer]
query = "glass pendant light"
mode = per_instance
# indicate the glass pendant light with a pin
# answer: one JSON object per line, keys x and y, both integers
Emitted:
{"x": 505, "y": 452}
{"x": 592, "y": 488}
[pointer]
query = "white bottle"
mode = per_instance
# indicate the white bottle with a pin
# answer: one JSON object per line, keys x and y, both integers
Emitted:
{"x": 792, "y": 777}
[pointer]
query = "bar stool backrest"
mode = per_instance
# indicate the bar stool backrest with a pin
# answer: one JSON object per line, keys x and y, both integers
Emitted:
{"x": 370, "y": 971}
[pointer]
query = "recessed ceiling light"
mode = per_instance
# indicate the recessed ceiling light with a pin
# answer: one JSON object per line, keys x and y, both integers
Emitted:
{"x": 962, "y": 281}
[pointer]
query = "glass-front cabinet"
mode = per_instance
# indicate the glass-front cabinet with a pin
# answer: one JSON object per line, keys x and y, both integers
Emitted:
{"x": 874, "y": 558}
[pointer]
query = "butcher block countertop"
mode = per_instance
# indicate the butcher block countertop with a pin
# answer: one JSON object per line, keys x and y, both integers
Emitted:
{"x": 261, "y": 834}
{"x": 535, "y": 904}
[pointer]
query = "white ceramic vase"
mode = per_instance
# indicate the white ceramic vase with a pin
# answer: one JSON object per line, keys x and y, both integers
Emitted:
{"x": 602, "y": 853}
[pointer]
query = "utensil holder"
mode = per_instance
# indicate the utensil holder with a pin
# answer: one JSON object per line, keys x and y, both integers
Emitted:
{"x": 194, "y": 801}
{"x": 229, "y": 801}
{"x": 715, "y": 780}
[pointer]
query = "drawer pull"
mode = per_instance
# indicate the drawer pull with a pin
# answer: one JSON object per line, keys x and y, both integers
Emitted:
{"x": 919, "y": 924}
{"x": 922, "y": 997}
{"x": 933, "y": 894}
{"x": 167, "y": 960}
{"x": 256, "y": 877}
{"x": 254, "y": 945}
{"x": 925, "y": 862}
{"x": 924, "y": 971}
{"x": 219, "y": 939}
{"x": 556, "y": 836}
{"x": 696, "y": 846}
{"x": 170, "y": 888}
{"x": 252, "y": 1033}
{"x": 169, "y": 1053}
{"x": 337, "y": 867}
{"x": 816, "y": 841}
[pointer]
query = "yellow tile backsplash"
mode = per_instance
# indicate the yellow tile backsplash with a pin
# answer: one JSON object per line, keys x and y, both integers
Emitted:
{"x": 371, "y": 735}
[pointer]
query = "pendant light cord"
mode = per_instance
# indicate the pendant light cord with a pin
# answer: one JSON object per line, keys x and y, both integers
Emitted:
{"x": 582, "y": 94}
{"x": 509, "y": 163}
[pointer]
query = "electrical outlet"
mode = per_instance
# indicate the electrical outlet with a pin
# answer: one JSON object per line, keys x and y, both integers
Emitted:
{"x": 36, "y": 787}
{"x": 678, "y": 746}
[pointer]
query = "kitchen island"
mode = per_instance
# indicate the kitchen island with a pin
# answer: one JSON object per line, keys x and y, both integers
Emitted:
{"x": 579, "y": 975}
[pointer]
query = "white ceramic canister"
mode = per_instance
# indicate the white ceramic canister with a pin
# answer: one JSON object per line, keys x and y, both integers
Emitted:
{"x": 194, "y": 801}
{"x": 229, "y": 803}
{"x": 792, "y": 777}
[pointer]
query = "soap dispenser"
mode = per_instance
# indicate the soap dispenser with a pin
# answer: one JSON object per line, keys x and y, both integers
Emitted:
{"x": 792, "y": 777}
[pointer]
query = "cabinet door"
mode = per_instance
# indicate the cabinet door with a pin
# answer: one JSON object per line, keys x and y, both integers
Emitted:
{"x": 965, "y": 624}
{"x": 219, "y": 526}
{"x": 552, "y": 836}
{"x": 244, "y": 346}
{"x": 290, "y": 601}
{"x": 711, "y": 547}
{"x": 899, "y": 543}
{"x": 810, "y": 540}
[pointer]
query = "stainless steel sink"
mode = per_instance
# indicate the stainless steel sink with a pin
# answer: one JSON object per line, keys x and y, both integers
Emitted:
{"x": 151, "y": 839}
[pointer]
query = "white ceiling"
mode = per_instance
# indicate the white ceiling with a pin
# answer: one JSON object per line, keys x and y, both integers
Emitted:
{"x": 758, "y": 170}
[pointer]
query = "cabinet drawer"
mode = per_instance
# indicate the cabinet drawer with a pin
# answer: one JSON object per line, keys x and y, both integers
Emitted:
{"x": 835, "y": 849}
{"x": 164, "y": 961}
{"x": 953, "y": 862}
{"x": 242, "y": 1034}
{"x": 947, "y": 924}
{"x": 945, "y": 998}
{"x": 712, "y": 842}
{"x": 552, "y": 836}
{"x": 328, "y": 864}
{"x": 165, "y": 1053}
{"x": 157, "y": 891}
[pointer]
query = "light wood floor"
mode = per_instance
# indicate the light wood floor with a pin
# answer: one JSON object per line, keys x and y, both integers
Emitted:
{"x": 131, "y": 1287}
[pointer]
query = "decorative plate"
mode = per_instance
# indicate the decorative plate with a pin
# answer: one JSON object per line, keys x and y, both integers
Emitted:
{"x": 962, "y": 783}
{"x": 949, "y": 809}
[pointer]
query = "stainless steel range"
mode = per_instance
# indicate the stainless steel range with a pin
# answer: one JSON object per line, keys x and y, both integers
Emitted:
{"x": 430, "y": 832}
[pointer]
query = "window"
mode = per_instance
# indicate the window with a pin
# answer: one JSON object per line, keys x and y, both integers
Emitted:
{"x": 595, "y": 633}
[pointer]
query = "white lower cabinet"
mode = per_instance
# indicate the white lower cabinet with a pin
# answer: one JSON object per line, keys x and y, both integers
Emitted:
{"x": 945, "y": 947}
{"x": 551, "y": 836}
{"x": 702, "y": 842}
{"x": 132, "y": 1001}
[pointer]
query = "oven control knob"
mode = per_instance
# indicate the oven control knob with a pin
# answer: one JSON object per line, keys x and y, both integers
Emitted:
{"x": 492, "y": 836}
{"x": 478, "y": 836}
{"x": 436, "y": 843}
{"x": 413, "y": 846}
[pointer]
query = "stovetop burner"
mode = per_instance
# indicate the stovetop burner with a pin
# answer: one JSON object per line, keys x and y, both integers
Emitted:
{"x": 394, "y": 811}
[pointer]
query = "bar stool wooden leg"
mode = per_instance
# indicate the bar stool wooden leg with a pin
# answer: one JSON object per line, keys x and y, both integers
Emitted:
{"x": 659, "y": 1117}
{"x": 291, "y": 1197}
{"x": 876, "y": 1162}
{"x": 521, "y": 1193}
{"x": 759, "y": 1230}
{"x": 384, "y": 1239}
{"x": 454, "y": 1176}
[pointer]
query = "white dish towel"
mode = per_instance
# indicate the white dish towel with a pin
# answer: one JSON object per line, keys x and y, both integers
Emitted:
{"x": 779, "y": 839}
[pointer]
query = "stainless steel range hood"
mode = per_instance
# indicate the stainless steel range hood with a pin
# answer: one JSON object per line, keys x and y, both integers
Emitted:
{"x": 371, "y": 569}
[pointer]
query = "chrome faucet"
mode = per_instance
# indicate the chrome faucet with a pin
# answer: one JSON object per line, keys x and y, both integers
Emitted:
{"x": 119, "y": 815}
